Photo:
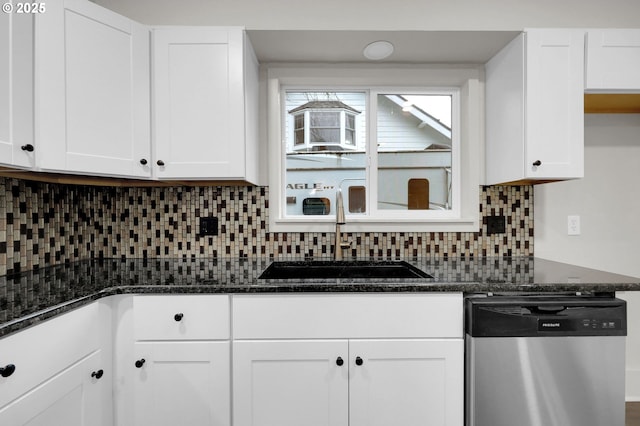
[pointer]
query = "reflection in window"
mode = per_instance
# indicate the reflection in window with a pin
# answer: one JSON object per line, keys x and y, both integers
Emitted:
{"x": 316, "y": 206}
{"x": 327, "y": 148}
{"x": 299, "y": 129}
{"x": 414, "y": 145}
{"x": 357, "y": 199}
{"x": 320, "y": 125}
{"x": 418, "y": 194}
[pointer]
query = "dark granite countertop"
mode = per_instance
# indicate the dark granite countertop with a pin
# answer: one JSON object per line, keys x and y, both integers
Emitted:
{"x": 33, "y": 296}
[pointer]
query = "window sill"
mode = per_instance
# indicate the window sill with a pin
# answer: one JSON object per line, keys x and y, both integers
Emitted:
{"x": 466, "y": 224}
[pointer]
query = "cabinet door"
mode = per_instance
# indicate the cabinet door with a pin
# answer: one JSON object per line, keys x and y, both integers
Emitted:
{"x": 198, "y": 103}
{"x": 554, "y": 111}
{"x": 406, "y": 382}
{"x": 92, "y": 99}
{"x": 16, "y": 89}
{"x": 290, "y": 383}
{"x": 71, "y": 398}
{"x": 58, "y": 342}
{"x": 613, "y": 60}
{"x": 182, "y": 383}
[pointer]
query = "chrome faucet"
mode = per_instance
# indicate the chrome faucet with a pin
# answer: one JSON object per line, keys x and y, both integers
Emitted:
{"x": 340, "y": 244}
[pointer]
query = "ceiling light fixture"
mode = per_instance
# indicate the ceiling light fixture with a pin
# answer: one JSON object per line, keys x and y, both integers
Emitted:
{"x": 378, "y": 50}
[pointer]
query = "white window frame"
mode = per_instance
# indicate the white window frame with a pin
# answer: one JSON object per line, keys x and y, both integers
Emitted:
{"x": 466, "y": 122}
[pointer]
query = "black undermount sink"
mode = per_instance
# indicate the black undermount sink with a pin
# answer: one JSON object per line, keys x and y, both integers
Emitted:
{"x": 341, "y": 269}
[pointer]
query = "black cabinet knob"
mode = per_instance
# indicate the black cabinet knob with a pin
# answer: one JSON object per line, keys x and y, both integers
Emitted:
{"x": 178, "y": 317}
{"x": 537, "y": 163}
{"x": 160, "y": 163}
{"x": 28, "y": 147}
{"x": 7, "y": 370}
{"x": 359, "y": 361}
{"x": 143, "y": 161}
{"x": 97, "y": 374}
{"x": 339, "y": 361}
{"x": 140, "y": 363}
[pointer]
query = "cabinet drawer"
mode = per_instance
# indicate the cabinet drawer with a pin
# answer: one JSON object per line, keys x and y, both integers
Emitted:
{"x": 43, "y": 351}
{"x": 347, "y": 316}
{"x": 184, "y": 317}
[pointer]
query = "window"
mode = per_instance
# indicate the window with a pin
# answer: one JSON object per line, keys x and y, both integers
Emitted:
{"x": 321, "y": 121}
{"x": 395, "y": 152}
{"x": 413, "y": 146}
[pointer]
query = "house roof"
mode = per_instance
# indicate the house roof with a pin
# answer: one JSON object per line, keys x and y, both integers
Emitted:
{"x": 425, "y": 118}
{"x": 324, "y": 105}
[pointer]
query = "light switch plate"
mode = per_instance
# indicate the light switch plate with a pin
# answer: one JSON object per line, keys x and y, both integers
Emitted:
{"x": 573, "y": 225}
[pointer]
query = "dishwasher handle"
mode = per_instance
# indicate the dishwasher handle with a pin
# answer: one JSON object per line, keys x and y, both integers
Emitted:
{"x": 546, "y": 309}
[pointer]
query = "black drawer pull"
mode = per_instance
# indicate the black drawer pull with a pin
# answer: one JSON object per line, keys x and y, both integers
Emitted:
{"x": 359, "y": 361}
{"x": 7, "y": 370}
{"x": 178, "y": 317}
{"x": 28, "y": 147}
{"x": 97, "y": 374}
{"x": 140, "y": 363}
{"x": 537, "y": 163}
{"x": 339, "y": 361}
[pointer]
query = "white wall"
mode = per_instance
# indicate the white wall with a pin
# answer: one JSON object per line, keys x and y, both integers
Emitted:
{"x": 382, "y": 15}
{"x": 608, "y": 203}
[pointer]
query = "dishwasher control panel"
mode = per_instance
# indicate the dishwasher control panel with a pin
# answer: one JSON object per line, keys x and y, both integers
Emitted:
{"x": 576, "y": 324}
{"x": 531, "y": 316}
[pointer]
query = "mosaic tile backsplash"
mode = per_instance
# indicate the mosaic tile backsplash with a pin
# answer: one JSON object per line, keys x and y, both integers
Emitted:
{"x": 44, "y": 224}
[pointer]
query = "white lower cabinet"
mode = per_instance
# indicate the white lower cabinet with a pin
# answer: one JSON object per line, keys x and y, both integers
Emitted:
{"x": 405, "y": 382}
{"x": 286, "y": 360}
{"x": 355, "y": 383}
{"x": 347, "y": 372}
{"x": 289, "y": 383}
{"x": 182, "y": 383}
{"x": 71, "y": 398}
{"x": 62, "y": 373}
{"x": 174, "y": 363}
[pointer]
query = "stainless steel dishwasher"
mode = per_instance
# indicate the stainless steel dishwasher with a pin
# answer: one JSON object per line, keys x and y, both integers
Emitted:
{"x": 545, "y": 360}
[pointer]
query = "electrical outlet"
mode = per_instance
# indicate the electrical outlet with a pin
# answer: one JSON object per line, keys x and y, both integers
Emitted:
{"x": 208, "y": 226}
{"x": 496, "y": 225}
{"x": 573, "y": 225}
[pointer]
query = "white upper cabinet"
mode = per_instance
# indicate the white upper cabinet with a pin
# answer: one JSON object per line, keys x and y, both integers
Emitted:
{"x": 613, "y": 60}
{"x": 535, "y": 108}
{"x": 92, "y": 91}
{"x": 16, "y": 90}
{"x": 205, "y": 104}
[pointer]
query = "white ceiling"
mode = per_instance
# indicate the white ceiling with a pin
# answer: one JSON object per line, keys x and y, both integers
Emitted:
{"x": 449, "y": 47}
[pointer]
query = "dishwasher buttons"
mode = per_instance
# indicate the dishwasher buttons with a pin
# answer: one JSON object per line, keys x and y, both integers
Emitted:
{"x": 598, "y": 324}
